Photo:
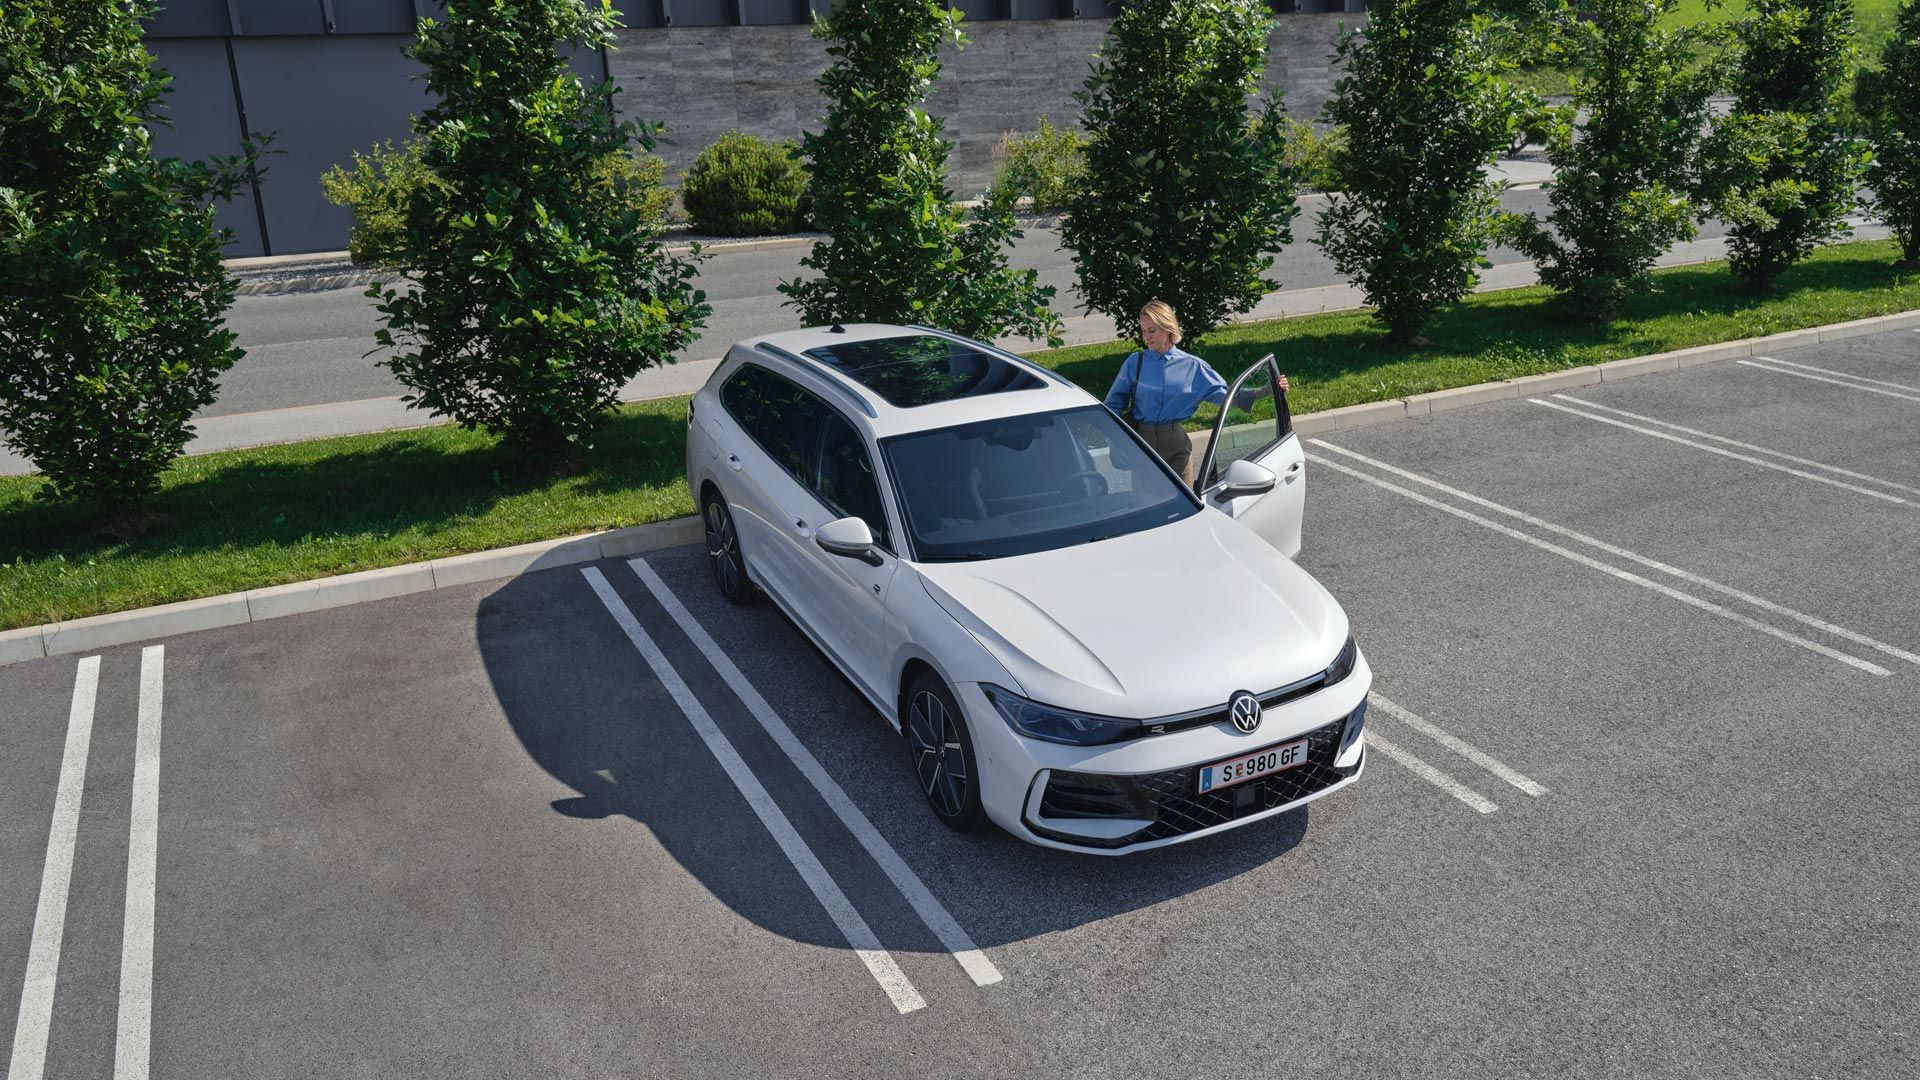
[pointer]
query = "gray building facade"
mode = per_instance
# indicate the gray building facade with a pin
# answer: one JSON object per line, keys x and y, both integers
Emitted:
{"x": 327, "y": 77}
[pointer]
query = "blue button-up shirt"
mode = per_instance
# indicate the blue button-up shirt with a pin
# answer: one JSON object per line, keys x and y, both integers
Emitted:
{"x": 1164, "y": 388}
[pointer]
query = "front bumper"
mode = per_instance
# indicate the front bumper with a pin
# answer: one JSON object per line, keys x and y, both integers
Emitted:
{"x": 1139, "y": 794}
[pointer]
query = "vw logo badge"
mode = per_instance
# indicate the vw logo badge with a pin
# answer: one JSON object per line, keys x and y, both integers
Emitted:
{"x": 1244, "y": 709}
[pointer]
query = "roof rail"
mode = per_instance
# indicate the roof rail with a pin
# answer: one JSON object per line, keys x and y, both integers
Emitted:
{"x": 836, "y": 379}
{"x": 990, "y": 347}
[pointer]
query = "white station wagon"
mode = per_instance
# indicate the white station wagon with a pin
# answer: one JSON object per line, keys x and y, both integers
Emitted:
{"x": 1075, "y": 644}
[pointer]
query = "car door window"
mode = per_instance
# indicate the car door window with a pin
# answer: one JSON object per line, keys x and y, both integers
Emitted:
{"x": 1253, "y": 419}
{"x": 846, "y": 483}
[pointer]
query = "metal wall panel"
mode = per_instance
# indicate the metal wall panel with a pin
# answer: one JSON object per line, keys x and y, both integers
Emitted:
{"x": 189, "y": 18}
{"x": 373, "y": 16}
{"x": 205, "y": 121}
{"x": 980, "y": 10}
{"x": 280, "y": 17}
{"x": 327, "y": 97}
{"x": 638, "y": 14}
{"x": 702, "y": 12}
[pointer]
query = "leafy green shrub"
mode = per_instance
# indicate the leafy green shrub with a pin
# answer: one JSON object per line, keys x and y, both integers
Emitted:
{"x": 899, "y": 249}
{"x": 743, "y": 186}
{"x": 1044, "y": 166}
{"x": 384, "y": 182}
{"x": 538, "y": 285}
{"x": 1783, "y": 166}
{"x": 1425, "y": 116}
{"x": 1623, "y": 176}
{"x": 1890, "y": 101}
{"x": 112, "y": 289}
{"x": 379, "y": 187}
{"x": 1186, "y": 194}
{"x": 1310, "y": 154}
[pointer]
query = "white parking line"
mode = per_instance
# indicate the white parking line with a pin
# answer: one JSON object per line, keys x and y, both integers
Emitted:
{"x": 980, "y": 969}
{"x": 1614, "y": 571}
{"x": 1653, "y": 564}
{"x": 859, "y": 935}
{"x": 1432, "y": 775}
{"x": 1735, "y": 442}
{"x": 1824, "y": 379}
{"x": 132, "y": 1043}
{"x": 1748, "y": 458}
{"x": 29, "y": 1060}
{"x": 1459, "y": 746}
{"x": 1842, "y": 374}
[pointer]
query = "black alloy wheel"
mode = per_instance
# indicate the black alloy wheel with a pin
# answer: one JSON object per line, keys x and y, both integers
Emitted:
{"x": 724, "y": 557}
{"x": 942, "y": 754}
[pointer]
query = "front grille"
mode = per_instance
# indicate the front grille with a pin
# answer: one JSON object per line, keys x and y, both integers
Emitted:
{"x": 1168, "y": 798}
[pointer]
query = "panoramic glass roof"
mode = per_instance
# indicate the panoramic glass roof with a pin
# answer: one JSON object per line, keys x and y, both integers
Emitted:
{"x": 922, "y": 369}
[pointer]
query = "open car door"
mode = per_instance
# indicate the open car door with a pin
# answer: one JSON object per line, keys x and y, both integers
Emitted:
{"x": 1254, "y": 425}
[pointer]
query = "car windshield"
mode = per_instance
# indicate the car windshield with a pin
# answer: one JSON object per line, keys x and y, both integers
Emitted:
{"x": 1020, "y": 484}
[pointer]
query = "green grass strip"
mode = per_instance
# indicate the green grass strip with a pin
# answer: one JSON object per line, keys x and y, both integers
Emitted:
{"x": 244, "y": 519}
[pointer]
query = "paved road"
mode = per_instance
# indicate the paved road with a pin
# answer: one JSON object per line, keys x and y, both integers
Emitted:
{"x": 307, "y": 373}
{"x": 472, "y": 833}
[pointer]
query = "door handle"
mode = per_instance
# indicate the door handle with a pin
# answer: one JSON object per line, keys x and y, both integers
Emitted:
{"x": 734, "y": 460}
{"x": 805, "y": 533}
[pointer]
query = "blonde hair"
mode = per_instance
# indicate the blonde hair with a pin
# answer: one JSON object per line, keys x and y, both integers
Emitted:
{"x": 1160, "y": 314}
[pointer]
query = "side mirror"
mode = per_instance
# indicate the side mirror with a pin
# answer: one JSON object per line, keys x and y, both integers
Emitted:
{"x": 849, "y": 538}
{"x": 1246, "y": 478}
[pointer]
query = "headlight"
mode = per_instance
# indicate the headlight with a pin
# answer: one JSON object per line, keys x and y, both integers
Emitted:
{"x": 1342, "y": 665}
{"x": 1032, "y": 719}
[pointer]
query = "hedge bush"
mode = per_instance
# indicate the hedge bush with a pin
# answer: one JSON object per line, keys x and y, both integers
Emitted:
{"x": 1890, "y": 100}
{"x": 389, "y": 178}
{"x": 746, "y": 186}
{"x": 899, "y": 249}
{"x": 536, "y": 286}
{"x": 1044, "y": 166}
{"x": 113, "y": 294}
{"x": 1186, "y": 195}
{"x": 1311, "y": 152}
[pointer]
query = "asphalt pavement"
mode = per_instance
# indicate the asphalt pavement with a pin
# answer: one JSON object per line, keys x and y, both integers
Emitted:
{"x": 1639, "y": 803}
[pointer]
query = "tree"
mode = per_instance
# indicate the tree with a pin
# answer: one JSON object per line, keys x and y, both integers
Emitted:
{"x": 539, "y": 285}
{"x": 112, "y": 288}
{"x": 1890, "y": 100}
{"x": 1783, "y": 167}
{"x": 898, "y": 248}
{"x": 1624, "y": 176}
{"x": 1425, "y": 114}
{"x": 1186, "y": 194}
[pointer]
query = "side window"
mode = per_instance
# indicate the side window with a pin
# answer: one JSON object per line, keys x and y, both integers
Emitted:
{"x": 847, "y": 484}
{"x": 740, "y": 395}
{"x": 788, "y": 427}
{"x": 1254, "y": 418}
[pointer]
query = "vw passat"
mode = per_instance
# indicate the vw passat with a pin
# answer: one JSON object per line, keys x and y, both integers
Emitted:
{"x": 1075, "y": 644}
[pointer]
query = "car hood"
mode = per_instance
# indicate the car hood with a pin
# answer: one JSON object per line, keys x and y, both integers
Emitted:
{"x": 1154, "y": 623}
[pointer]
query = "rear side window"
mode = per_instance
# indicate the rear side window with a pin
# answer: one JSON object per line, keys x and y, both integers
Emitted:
{"x": 740, "y": 395}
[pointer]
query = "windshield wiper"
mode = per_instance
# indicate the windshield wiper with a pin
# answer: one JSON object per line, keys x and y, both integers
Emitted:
{"x": 956, "y": 556}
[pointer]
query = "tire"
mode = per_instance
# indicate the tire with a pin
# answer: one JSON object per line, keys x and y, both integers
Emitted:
{"x": 938, "y": 743}
{"x": 724, "y": 557}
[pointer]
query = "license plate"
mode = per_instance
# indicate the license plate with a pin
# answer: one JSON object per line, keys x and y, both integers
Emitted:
{"x": 1239, "y": 770}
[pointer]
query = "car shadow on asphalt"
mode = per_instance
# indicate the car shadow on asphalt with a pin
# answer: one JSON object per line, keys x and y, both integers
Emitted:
{"x": 589, "y": 710}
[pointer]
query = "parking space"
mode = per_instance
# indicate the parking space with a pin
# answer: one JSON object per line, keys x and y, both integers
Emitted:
{"x": 1638, "y": 803}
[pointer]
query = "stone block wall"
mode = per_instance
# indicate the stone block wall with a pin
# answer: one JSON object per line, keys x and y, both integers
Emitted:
{"x": 703, "y": 81}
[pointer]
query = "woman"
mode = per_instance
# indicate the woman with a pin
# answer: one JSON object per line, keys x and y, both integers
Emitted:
{"x": 1160, "y": 388}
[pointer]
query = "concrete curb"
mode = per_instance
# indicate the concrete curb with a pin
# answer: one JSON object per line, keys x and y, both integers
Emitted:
{"x": 124, "y": 627}
{"x": 279, "y": 601}
{"x": 360, "y": 277}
